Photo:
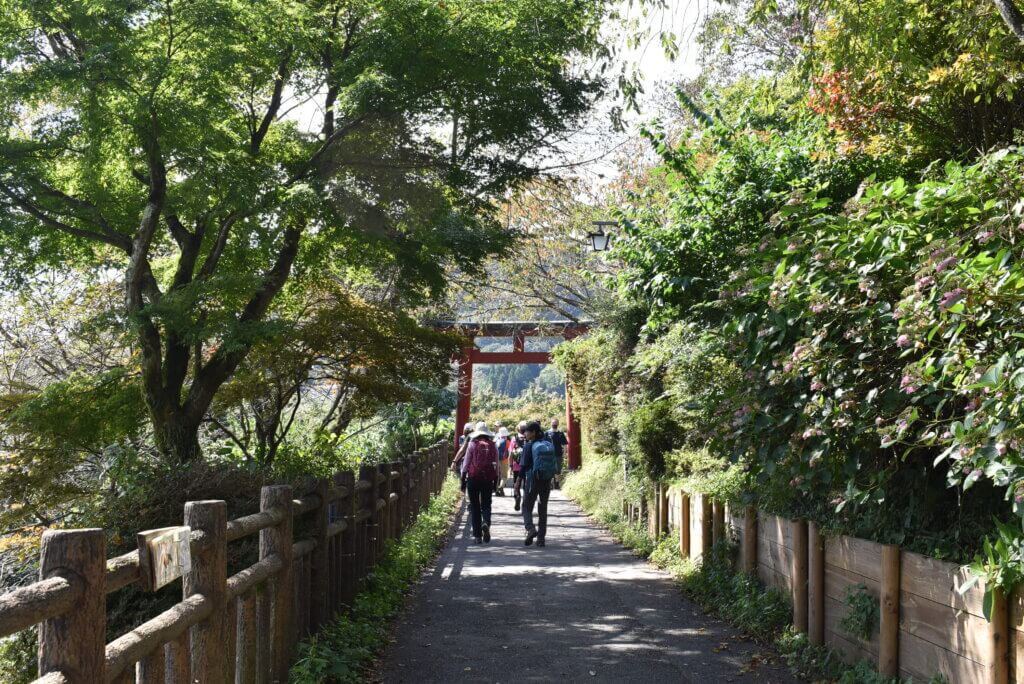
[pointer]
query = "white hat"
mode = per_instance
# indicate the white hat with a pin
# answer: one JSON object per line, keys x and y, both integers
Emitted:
{"x": 503, "y": 432}
{"x": 481, "y": 430}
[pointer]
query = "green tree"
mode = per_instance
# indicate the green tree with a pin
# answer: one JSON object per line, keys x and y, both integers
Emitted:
{"x": 159, "y": 140}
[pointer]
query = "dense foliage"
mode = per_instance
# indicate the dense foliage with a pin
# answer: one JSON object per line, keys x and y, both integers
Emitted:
{"x": 821, "y": 284}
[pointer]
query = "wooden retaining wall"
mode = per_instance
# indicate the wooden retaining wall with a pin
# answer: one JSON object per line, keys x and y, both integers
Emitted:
{"x": 926, "y": 625}
{"x": 241, "y": 628}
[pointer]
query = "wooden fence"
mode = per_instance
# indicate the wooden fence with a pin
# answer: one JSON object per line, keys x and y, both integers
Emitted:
{"x": 926, "y": 625}
{"x": 242, "y": 628}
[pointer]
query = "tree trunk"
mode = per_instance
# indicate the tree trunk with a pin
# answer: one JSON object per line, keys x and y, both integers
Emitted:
{"x": 177, "y": 437}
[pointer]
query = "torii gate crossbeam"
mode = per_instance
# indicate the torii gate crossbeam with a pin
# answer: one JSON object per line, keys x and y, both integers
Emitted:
{"x": 518, "y": 331}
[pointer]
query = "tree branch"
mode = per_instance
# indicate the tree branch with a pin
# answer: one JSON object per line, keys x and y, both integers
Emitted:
{"x": 1012, "y": 16}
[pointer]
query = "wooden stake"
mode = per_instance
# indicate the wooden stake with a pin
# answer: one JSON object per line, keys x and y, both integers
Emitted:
{"x": 799, "y": 575}
{"x": 998, "y": 666}
{"x": 750, "y": 540}
{"x": 177, "y": 660}
{"x": 889, "y": 603}
{"x": 247, "y": 643}
{"x": 816, "y": 585}
{"x": 208, "y": 577}
{"x": 684, "y": 524}
{"x": 718, "y": 522}
{"x": 74, "y": 643}
{"x": 662, "y": 510}
{"x": 707, "y": 538}
{"x": 277, "y": 540}
{"x": 319, "y": 607}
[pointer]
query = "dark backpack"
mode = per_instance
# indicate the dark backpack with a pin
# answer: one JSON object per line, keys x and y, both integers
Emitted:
{"x": 482, "y": 455}
{"x": 557, "y": 439}
{"x": 545, "y": 460}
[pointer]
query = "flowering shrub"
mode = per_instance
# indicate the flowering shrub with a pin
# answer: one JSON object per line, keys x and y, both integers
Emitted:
{"x": 885, "y": 336}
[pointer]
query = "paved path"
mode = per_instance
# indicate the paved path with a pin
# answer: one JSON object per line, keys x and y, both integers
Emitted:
{"x": 581, "y": 609}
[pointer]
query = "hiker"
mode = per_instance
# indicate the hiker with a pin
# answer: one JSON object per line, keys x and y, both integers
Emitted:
{"x": 517, "y": 470}
{"x": 559, "y": 441}
{"x": 504, "y": 446}
{"x": 460, "y": 454}
{"x": 539, "y": 466}
{"x": 481, "y": 470}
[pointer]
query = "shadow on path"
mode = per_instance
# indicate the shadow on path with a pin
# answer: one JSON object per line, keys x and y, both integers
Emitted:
{"x": 582, "y": 608}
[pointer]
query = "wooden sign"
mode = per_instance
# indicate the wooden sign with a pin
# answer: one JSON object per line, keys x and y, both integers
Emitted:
{"x": 164, "y": 556}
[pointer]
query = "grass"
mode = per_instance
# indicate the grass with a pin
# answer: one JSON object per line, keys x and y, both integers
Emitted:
{"x": 343, "y": 650}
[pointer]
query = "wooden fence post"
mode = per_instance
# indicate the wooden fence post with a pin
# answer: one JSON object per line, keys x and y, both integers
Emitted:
{"x": 816, "y": 585}
{"x": 346, "y": 552}
{"x": 320, "y": 580}
{"x": 799, "y": 574}
{"x": 74, "y": 643}
{"x": 998, "y": 665}
{"x": 278, "y": 541}
{"x": 396, "y": 507}
{"x": 706, "y": 524}
{"x": 750, "y": 540}
{"x": 889, "y": 603}
{"x": 662, "y": 509}
{"x": 718, "y": 522}
{"x": 208, "y": 577}
{"x": 684, "y": 524}
{"x": 384, "y": 519}
{"x": 368, "y": 501}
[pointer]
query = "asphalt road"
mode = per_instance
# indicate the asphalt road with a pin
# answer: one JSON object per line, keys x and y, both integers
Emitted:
{"x": 581, "y": 609}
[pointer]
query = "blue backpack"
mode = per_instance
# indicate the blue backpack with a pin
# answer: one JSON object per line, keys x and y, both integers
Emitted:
{"x": 545, "y": 460}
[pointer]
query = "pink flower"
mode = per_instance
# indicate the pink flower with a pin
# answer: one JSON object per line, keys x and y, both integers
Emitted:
{"x": 817, "y": 308}
{"x": 907, "y": 385}
{"x": 903, "y": 341}
{"x": 985, "y": 236}
{"x": 923, "y": 282}
{"x": 879, "y": 421}
{"x": 945, "y": 264}
{"x": 792, "y": 247}
{"x": 952, "y": 297}
{"x": 1000, "y": 448}
{"x": 817, "y": 386}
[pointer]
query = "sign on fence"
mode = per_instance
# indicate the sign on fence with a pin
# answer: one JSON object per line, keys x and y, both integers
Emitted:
{"x": 164, "y": 555}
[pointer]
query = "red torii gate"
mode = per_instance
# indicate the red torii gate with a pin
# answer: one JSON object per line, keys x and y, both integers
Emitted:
{"x": 518, "y": 331}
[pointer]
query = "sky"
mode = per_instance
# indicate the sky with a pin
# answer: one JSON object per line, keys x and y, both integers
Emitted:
{"x": 591, "y": 154}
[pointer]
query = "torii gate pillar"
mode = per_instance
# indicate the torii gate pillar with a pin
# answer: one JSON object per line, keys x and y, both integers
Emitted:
{"x": 465, "y": 391}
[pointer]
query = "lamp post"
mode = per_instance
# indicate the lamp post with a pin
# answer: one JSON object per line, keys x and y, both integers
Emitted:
{"x": 600, "y": 241}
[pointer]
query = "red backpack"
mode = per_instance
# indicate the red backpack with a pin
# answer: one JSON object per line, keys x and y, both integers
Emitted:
{"x": 480, "y": 459}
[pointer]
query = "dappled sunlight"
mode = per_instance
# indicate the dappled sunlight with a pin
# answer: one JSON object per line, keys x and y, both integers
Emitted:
{"x": 581, "y": 607}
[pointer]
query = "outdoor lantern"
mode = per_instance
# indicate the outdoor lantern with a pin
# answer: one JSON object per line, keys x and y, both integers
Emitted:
{"x": 600, "y": 240}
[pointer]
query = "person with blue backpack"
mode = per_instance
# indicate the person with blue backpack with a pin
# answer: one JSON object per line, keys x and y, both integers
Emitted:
{"x": 540, "y": 465}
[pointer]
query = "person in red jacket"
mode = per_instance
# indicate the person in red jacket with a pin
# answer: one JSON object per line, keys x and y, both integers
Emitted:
{"x": 481, "y": 469}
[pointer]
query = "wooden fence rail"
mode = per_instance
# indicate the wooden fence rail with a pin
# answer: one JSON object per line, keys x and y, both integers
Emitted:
{"x": 243, "y": 628}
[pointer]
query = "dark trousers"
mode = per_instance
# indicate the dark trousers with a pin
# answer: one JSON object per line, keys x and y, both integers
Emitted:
{"x": 480, "y": 492}
{"x": 540, "y": 491}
